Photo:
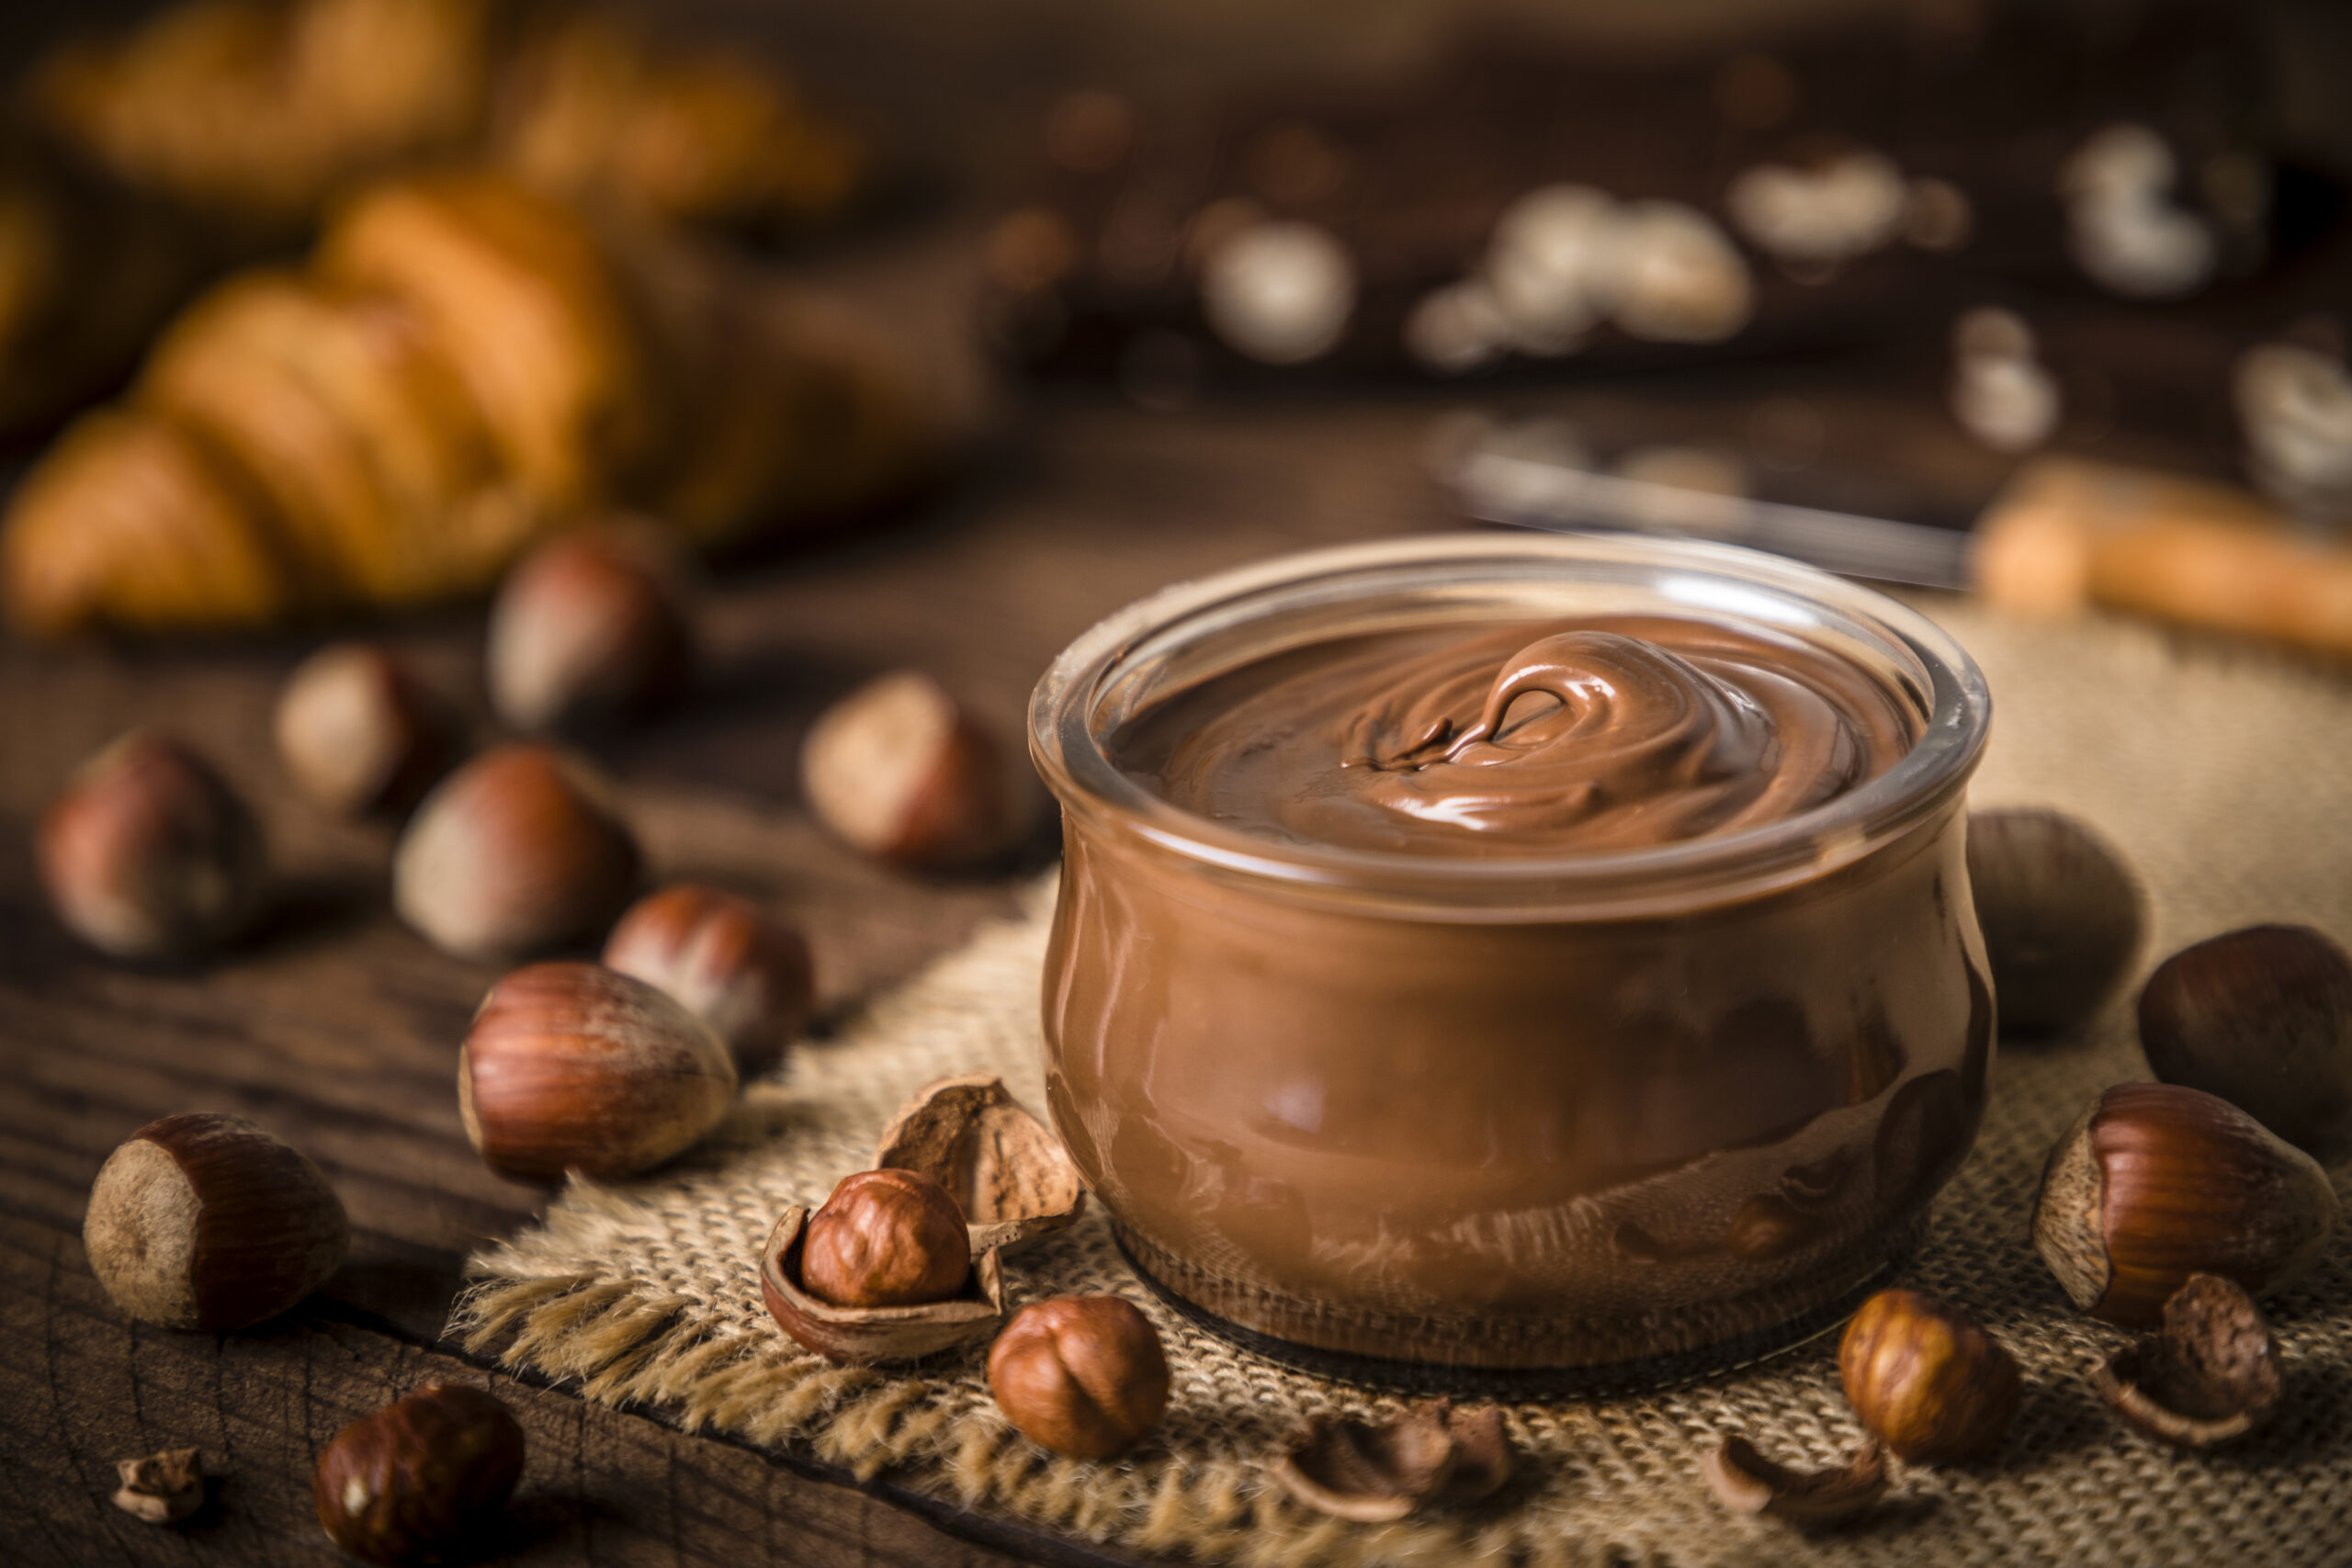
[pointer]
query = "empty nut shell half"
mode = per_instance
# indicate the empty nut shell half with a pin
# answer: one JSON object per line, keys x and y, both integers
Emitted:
{"x": 1005, "y": 1168}
{"x": 2211, "y": 1375}
{"x": 1371, "y": 1472}
{"x": 874, "y": 1336}
{"x": 1744, "y": 1481}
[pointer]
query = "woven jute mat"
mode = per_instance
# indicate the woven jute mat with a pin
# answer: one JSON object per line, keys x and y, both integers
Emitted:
{"x": 2221, "y": 772}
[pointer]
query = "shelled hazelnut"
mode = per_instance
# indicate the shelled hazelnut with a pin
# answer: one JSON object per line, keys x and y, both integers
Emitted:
{"x": 1084, "y": 1376}
{"x": 898, "y": 771}
{"x": 885, "y": 1238}
{"x": 420, "y": 1480}
{"x": 2155, "y": 1182}
{"x": 592, "y": 626}
{"x": 359, "y": 733}
{"x": 2061, "y": 913}
{"x": 720, "y": 958}
{"x": 202, "y": 1220}
{"x": 521, "y": 850}
{"x": 148, "y": 853}
{"x": 1371, "y": 1472}
{"x": 861, "y": 1335}
{"x": 572, "y": 1067}
{"x": 1925, "y": 1380}
{"x": 2262, "y": 1018}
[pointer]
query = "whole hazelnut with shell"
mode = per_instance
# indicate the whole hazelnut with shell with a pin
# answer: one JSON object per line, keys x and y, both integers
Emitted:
{"x": 522, "y": 850}
{"x": 1084, "y": 1376}
{"x": 359, "y": 733}
{"x": 1925, "y": 1380}
{"x": 2061, "y": 913}
{"x": 149, "y": 855}
{"x": 592, "y": 626}
{"x": 202, "y": 1220}
{"x": 572, "y": 1066}
{"x": 898, "y": 771}
{"x": 885, "y": 1238}
{"x": 725, "y": 962}
{"x": 423, "y": 1479}
{"x": 2262, "y": 1018}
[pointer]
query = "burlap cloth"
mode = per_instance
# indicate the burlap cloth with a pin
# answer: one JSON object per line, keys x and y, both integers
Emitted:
{"x": 2221, "y": 772}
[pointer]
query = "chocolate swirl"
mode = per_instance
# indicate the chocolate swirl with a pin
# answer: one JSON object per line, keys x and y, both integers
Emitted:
{"x": 1598, "y": 737}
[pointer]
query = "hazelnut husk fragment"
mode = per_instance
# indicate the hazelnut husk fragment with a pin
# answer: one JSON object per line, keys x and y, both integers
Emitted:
{"x": 360, "y": 735}
{"x": 874, "y": 1335}
{"x": 2262, "y": 1018}
{"x": 2211, "y": 1375}
{"x": 572, "y": 1067}
{"x": 1083, "y": 1375}
{"x": 1006, "y": 1170}
{"x": 420, "y": 1481}
{"x": 1744, "y": 1481}
{"x": 590, "y": 627}
{"x": 885, "y": 1238}
{"x": 1429, "y": 1454}
{"x": 1925, "y": 1380}
{"x": 520, "y": 851}
{"x": 149, "y": 855}
{"x": 161, "y": 1488}
{"x": 898, "y": 771}
{"x": 2155, "y": 1182}
{"x": 202, "y": 1220}
{"x": 2060, "y": 912}
{"x": 724, "y": 961}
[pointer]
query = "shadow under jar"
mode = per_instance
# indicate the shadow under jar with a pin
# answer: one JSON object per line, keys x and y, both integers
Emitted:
{"x": 1492, "y": 952}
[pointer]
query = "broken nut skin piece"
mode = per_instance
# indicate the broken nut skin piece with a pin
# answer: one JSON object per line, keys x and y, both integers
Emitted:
{"x": 1084, "y": 1376}
{"x": 423, "y": 1479}
{"x": 161, "y": 1488}
{"x": 2210, "y": 1376}
{"x": 885, "y": 1238}
{"x": 1744, "y": 1481}
{"x": 1926, "y": 1378}
{"x": 1005, "y": 1169}
{"x": 2157, "y": 1181}
{"x": 874, "y": 1335}
{"x": 1431, "y": 1454}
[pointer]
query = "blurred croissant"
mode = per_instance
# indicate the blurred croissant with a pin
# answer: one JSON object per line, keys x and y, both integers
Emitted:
{"x": 464, "y": 365}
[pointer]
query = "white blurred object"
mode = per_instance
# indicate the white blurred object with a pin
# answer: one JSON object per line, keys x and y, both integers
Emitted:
{"x": 2295, "y": 405}
{"x": 1831, "y": 212}
{"x": 1938, "y": 215}
{"x": 1280, "y": 293}
{"x": 1553, "y": 265}
{"x": 1680, "y": 278}
{"x": 1457, "y": 329}
{"x": 2122, "y": 226}
{"x": 2000, "y": 393}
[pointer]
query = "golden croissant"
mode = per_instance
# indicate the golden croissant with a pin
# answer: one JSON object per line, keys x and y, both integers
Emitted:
{"x": 465, "y": 365}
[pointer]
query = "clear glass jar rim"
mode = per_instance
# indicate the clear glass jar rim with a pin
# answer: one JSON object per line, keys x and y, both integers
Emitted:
{"x": 1070, "y": 755}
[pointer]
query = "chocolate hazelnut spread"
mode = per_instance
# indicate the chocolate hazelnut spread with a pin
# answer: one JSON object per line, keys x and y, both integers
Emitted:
{"x": 1338, "y": 1091}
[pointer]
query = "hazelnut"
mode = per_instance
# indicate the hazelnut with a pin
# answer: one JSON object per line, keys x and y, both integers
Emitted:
{"x": 885, "y": 1238}
{"x": 2061, "y": 914}
{"x": 1744, "y": 1481}
{"x": 572, "y": 1066}
{"x": 148, "y": 853}
{"x": 897, "y": 770}
{"x": 2211, "y": 1375}
{"x": 722, "y": 960}
{"x": 2155, "y": 1182}
{"x": 161, "y": 1488}
{"x": 591, "y": 626}
{"x": 866, "y": 1336}
{"x": 1081, "y": 1375}
{"x": 1375, "y": 1472}
{"x": 2262, "y": 1018}
{"x": 1009, "y": 1175}
{"x": 205, "y": 1222}
{"x": 1925, "y": 1380}
{"x": 421, "y": 1480}
{"x": 358, "y": 734}
{"x": 519, "y": 850}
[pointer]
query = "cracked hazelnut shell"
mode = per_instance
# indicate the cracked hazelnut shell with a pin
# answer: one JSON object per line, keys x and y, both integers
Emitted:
{"x": 590, "y": 627}
{"x": 1005, "y": 1169}
{"x": 202, "y": 1220}
{"x": 898, "y": 771}
{"x": 2061, "y": 913}
{"x": 885, "y": 1238}
{"x": 423, "y": 1480}
{"x": 2155, "y": 1182}
{"x": 573, "y": 1066}
{"x": 1925, "y": 1380}
{"x": 149, "y": 855}
{"x": 1084, "y": 1376}
{"x": 358, "y": 734}
{"x": 522, "y": 850}
{"x": 1744, "y": 1481}
{"x": 2262, "y": 1018}
{"x": 874, "y": 1335}
{"x": 2210, "y": 1376}
{"x": 1429, "y": 1454}
{"x": 161, "y": 1488}
{"x": 723, "y": 960}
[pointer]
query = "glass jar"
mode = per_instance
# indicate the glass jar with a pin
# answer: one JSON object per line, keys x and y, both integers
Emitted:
{"x": 1614, "y": 1117}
